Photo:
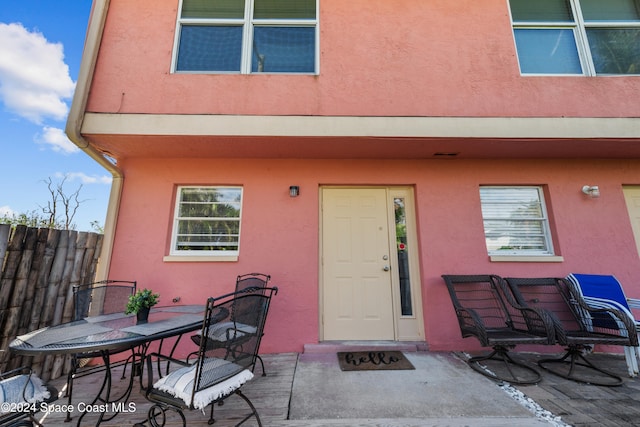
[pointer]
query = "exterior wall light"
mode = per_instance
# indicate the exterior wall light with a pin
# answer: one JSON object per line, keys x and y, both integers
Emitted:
{"x": 294, "y": 191}
{"x": 591, "y": 190}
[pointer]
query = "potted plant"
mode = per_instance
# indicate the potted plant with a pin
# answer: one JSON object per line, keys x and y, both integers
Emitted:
{"x": 140, "y": 303}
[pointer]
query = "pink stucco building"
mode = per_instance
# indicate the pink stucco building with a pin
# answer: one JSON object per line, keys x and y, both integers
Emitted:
{"x": 424, "y": 137}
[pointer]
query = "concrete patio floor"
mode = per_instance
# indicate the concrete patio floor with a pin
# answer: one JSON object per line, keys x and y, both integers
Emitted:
{"x": 309, "y": 389}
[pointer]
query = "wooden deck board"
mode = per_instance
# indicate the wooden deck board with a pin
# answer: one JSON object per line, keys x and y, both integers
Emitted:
{"x": 270, "y": 395}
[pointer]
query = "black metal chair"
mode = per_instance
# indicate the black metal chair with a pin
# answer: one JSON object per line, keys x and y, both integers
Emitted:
{"x": 96, "y": 299}
{"x": 22, "y": 392}
{"x": 486, "y": 310}
{"x": 110, "y": 296}
{"x": 578, "y": 327}
{"x": 251, "y": 282}
{"x": 236, "y": 321}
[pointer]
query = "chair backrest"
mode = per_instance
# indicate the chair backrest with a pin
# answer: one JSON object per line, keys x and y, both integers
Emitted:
{"x": 572, "y": 314}
{"x": 103, "y": 297}
{"x": 553, "y": 295}
{"x": 478, "y": 293}
{"x": 252, "y": 280}
{"x": 600, "y": 286}
{"x": 240, "y": 345}
{"x": 486, "y": 296}
{"x": 601, "y": 291}
{"x": 254, "y": 283}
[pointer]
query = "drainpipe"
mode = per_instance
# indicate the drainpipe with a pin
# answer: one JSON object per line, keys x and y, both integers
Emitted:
{"x": 74, "y": 128}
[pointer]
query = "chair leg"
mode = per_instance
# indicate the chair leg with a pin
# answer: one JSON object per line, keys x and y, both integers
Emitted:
{"x": 576, "y": 359}
{"x": 501, "y": 354}
{"x": 632, "y": 361}
{"x": 124, "y": 369}
{"x": 69, "y": 389}
{"x": 264, "y": 373}
{"x": 69, "y": 379}
{"x": 254, "y": 412}
{"x": 157, "y": 416}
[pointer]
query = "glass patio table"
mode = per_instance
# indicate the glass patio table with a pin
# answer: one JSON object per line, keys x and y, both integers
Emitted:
{"x": 108, "y": 334}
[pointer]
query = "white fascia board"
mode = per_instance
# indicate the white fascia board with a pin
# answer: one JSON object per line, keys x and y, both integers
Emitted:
{"x": 349, "y": 126}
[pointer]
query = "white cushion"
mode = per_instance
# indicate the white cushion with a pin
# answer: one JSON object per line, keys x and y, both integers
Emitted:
{"x": 179, "y": 383}
{"x": 11, "y": 389}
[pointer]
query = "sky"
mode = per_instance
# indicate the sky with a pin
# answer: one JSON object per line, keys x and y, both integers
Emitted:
{"x": 41, "y": 44}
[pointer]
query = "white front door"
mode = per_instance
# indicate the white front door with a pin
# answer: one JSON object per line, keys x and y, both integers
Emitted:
{"x": 357, "y": 290}
{"x": 632, "y": 197}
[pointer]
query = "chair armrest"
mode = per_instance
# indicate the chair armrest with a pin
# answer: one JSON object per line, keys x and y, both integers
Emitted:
{"x": 21, "y": 385}
{"x": 471, "y": 324}
{"x": 620, "y": 315}
{"x": 633, "y": 302}
{"x": 602, "y": 303}
{"x": 540, "y": 322}
{"x": 469, "y": 317}
{"x": 23, "y": 370}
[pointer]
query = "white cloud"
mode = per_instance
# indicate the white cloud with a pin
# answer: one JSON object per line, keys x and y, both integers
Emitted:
{"x": 57, "y": 140}
{"x": 34, "y": 79}
{"x": 84, "y": 178}
{"x": 6, "y": 211}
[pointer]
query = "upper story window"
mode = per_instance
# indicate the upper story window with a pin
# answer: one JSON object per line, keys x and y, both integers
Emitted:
{"x": 515, "y": 221}
{"x": 584, "y": 37}
{"x": 207, "y": 221}
{"x": 247, "y": 36}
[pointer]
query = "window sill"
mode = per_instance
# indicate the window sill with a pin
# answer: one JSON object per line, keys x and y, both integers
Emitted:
{"x": 189, "y": 258}
{"x": 520, "y": 258}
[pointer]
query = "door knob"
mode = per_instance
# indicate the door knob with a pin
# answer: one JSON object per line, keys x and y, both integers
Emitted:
{"x": 386, "y": 268}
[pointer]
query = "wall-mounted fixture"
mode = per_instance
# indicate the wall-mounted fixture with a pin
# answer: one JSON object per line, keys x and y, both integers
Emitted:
{"x": 294, "y": 191}
{"x": 591, "y": 190}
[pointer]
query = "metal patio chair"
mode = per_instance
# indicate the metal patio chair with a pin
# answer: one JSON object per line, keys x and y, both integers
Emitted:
{"x": 96, "y": 299}
{"x": 604, "y": 291}
{"x": 578, "y": 327}
{"x": 236, "y": 321}
{"x": 23, "y": 392}
{"x": 251, "y": 282}
{"x": 486, "y": 310}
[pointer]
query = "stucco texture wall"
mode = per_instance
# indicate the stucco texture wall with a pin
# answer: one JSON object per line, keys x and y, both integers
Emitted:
{"x": 377, "y": 58}
{"x": 280, "y": 234}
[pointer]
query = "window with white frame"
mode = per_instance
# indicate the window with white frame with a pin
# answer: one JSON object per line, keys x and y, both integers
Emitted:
{"x": 515, "y": 221}
{"x": 584, "y": 37}
{"x": 207, "y": 221}
{"x": 247, "y": 36}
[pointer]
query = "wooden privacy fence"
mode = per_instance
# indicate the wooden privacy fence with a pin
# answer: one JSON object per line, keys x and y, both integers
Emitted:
{"x": 40, "y": 267}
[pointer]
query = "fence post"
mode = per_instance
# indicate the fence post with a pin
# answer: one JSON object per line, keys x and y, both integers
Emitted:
{"x": 10, "y": 268}
{"x": 5, "y": 231}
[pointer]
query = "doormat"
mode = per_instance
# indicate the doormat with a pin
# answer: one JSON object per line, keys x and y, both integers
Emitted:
{"x": 373, "y": 361}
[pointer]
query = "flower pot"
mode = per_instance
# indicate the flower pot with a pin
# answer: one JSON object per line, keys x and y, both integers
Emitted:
{"x": 142, "y": 315}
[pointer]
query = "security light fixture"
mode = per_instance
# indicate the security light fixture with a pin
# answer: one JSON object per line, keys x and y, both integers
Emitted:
{"x": 591, "y": 190}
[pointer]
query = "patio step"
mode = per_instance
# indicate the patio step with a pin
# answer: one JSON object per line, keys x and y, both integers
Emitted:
{"x": 337, "y": 346}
